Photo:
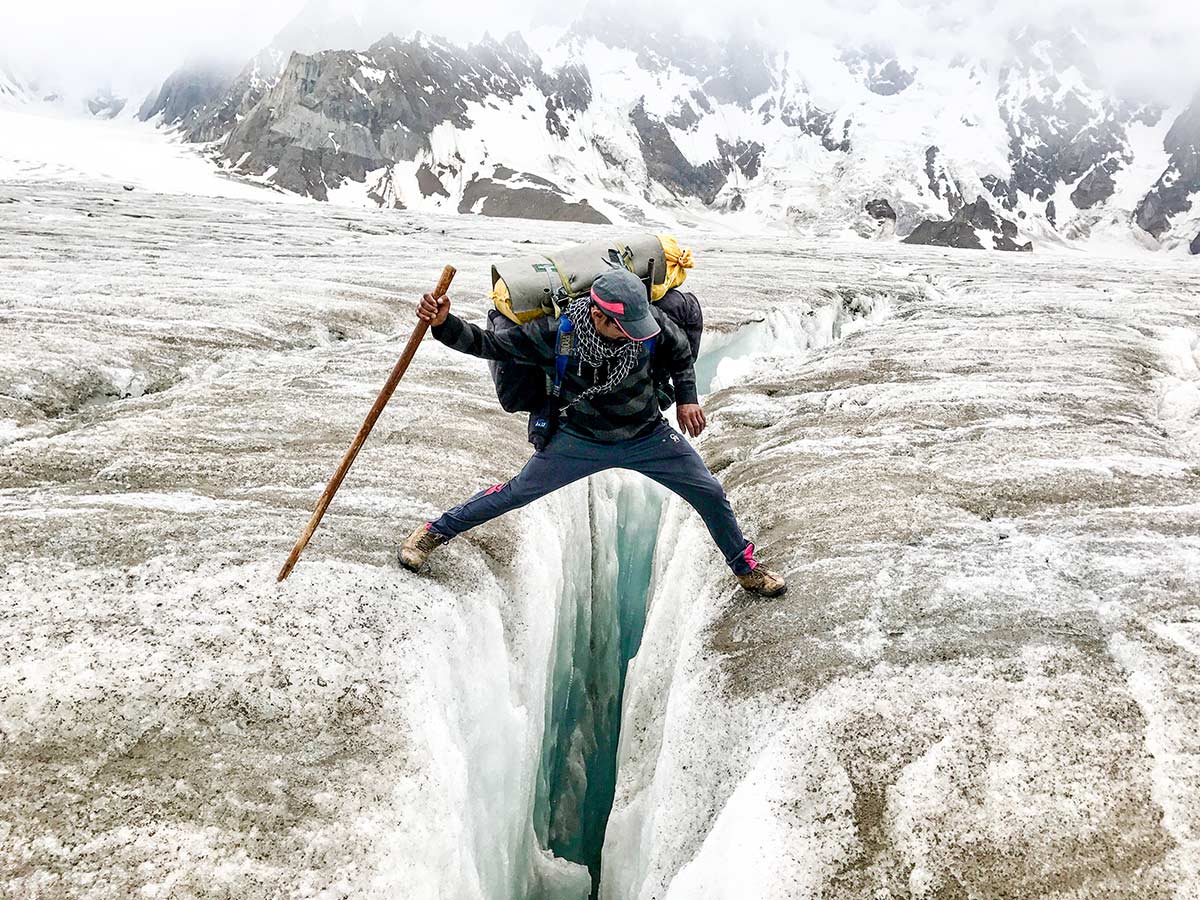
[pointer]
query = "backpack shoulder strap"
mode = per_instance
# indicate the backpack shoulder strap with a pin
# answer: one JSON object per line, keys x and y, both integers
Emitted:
{"x": 563, "y": 345}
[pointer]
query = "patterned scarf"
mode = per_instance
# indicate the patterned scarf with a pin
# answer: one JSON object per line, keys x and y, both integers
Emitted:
{"x": 596, "y": 350}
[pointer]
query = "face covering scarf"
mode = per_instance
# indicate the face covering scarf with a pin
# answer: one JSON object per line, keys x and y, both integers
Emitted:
{"x": 595, "y": 350}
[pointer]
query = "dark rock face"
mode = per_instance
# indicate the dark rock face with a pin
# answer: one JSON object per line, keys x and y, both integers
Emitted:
{"x": 1171, "y": 194}
{"x": 525, "y": 203}
{"x": 429, "y": 184}
{"x": 668, "y": 166}
{"x": 1061, "y": 134}
{"x": 571, "y": 92}
{"x": 959, "y": 235}
{"x": 880, "y": 209}
{"x": 881, "y": 74}
{"x": 1194, "y": 246}
{"x": 746, "y": 156}
{"x": 185, "y": 93}
{"x": 1097, "y": 185}
{"x": 961, "y": 231}
{"x": 1001, "y": 190}
{"x": 685, "y": 119}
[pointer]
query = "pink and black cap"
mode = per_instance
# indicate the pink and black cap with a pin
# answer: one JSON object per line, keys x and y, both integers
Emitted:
{"x": 621, "y": 295}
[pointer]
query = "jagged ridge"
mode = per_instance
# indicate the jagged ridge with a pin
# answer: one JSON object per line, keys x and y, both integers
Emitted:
{"x": 627, "y": 123}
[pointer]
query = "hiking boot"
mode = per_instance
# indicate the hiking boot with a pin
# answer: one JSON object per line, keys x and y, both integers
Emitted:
{"x": 762, "y": 582}
{"x": 419, "y": 545}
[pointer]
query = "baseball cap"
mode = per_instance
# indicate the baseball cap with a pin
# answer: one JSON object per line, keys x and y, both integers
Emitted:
{"x": 622, "y": 296}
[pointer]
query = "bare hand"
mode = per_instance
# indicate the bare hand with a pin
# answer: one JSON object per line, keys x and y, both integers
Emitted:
{"x": 433, "y": 311}
{"x": 691, "y": 418}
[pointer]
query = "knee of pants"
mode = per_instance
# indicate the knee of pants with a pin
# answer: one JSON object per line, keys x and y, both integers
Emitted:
{"x": 710, "y": 492}
{"x": 518, "y": 493}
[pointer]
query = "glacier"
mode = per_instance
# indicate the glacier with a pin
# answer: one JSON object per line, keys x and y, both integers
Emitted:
{"x": 979, "y": 473}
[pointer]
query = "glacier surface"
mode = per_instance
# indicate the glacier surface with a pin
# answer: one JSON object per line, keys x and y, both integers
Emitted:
{"x": 980, "y": 475}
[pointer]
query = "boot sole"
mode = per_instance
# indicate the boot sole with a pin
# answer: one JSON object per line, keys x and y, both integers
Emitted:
{"x": 405, "y": 565}
{"x": 765, "y": 595}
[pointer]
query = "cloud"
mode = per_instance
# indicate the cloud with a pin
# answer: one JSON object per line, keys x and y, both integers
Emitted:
{"x": 1145, "y": 49}
{"x": 80, "y": 44}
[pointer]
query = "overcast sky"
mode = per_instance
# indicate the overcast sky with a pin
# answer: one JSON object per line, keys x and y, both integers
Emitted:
{"x": 1147, "y": 45}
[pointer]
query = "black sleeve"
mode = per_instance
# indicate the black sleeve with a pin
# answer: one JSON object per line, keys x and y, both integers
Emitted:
{"x": 684, "y": 310}
{"x": 532, "y": 342}
{"x": 675, "y": 353}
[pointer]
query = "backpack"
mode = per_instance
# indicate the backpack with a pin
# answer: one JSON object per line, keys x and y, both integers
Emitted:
{"x": 528, "y": 287}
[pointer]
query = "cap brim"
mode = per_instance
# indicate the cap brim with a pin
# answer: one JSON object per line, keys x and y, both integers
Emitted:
{"x": 639, "y": 329}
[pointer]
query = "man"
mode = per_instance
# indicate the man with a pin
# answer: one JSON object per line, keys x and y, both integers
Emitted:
{"x": 611, "y": 418}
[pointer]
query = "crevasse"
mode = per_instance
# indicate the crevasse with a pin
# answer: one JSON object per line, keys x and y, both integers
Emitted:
{"x": 600, "y": 630}
{"x": 608, "y": 572}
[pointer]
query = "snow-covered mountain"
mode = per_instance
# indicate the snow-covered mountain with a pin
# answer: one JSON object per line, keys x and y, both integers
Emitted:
{"x": 599, "y": 122}
{"x": 12, "y": 88}
{"x": 21, "y": 90}
{"x": 1171, "y": 198}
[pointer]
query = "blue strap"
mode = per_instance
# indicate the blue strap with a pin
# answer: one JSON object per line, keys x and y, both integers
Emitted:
{"x": 564, "y": 344}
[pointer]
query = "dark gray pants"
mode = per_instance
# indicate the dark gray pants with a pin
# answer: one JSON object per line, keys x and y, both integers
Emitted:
{"x": 663, "y": 455}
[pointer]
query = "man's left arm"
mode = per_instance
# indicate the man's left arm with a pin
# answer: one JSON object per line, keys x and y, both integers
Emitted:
{"x": 688, "y": 412}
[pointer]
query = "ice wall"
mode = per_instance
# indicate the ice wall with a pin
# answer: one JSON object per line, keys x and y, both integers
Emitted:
{"x": 811, "y": 321}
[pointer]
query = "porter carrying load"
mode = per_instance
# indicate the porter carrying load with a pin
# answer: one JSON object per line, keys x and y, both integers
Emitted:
{"x": 531, "y": 287}
{"x": 603, "y": 410}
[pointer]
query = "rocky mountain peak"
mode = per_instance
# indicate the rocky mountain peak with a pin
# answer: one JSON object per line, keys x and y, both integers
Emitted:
{"x": 1177, "y": 188}
{"x": 184, "y": 96}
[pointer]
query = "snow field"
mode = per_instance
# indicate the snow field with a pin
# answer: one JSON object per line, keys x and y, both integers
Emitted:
{"x": 45, "y": 146}
{"x": 355, "y": 730}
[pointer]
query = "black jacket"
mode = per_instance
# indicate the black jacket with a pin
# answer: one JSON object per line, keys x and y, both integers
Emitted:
{"x": 629, "y": 410}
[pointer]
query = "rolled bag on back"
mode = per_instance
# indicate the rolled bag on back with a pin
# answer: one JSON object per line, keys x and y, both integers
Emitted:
{"x": 527, "y": 287}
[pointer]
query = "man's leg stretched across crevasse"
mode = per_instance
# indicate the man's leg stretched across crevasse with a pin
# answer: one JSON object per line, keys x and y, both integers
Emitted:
{"x": 562, "y": 462}
{"x": 667, "y": 458}
{"x": 663, "y": 456}
{"x": 566, "y": 459}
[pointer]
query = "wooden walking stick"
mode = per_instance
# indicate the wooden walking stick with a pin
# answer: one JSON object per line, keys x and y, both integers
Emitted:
{"x": 385, "y": 395}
